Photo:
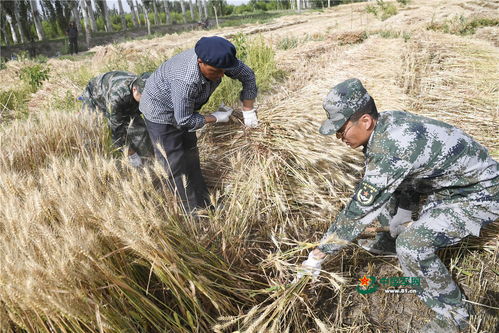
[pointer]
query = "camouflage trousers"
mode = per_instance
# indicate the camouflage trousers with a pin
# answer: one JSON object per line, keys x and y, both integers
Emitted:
{"x": 127, "y": 129}
{"x": 443, "y": 224}
{"x": 131, "y": 131}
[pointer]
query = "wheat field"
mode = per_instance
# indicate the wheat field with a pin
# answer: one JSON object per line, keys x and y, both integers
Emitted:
{"x": 88, "y": 244}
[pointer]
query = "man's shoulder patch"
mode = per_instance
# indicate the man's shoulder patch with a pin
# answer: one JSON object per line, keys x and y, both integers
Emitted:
{"x": 366, "y": 193}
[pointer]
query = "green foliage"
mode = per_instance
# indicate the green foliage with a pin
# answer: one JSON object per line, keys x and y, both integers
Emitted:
{"x": 81, "y": 76}
{"x": 68, "y": 102}
{"x": 116, "y": 61}
{"x": 243, "y": 9}
{"x": 176, "y": 17}
{"x": 100, "y": 23}
{"x": 51, "y": 30}
{"x": 240, "y": 42}
{"x": 34, "y": 75}
{"x": 22, "y": 55}
{"x": 460, "y": 25}
{"x": 2, "y": 63}
{"x": 147, "y": 63}
{"x": 41, "y": 59}
{"x": 151, "y": 36}
{"x": 258, "y": 18}
{"x": 372, "y": 9}
{"x": 389, "y": 34}
{"x": 403, "y": 2}
{"x": 387, "y": 9}
{"x": 13, "y": 102}
{"x": 382, "y": 10}
{"x": 261, "y": 59}
{"x": 287, "y": 43}
{"x": 394, "y": 34}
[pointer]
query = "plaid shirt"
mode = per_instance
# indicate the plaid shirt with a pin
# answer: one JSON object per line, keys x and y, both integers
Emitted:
{"x": 177, "y": 89}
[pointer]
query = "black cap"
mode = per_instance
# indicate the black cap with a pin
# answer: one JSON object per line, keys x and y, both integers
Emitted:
{"x": 217, "y": 52}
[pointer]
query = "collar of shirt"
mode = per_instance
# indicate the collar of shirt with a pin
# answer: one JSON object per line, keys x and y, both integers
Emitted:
{"x": 377, "y": 128}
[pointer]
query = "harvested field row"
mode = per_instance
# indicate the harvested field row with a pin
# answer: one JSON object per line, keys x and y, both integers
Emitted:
{"x": 89, "y": 245}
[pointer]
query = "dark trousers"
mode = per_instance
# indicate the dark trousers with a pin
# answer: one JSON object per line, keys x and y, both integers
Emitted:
{"x": 181, "y": 163}
{"x": 73, "y": 45}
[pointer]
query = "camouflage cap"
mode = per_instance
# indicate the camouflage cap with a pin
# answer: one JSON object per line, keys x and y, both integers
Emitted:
{"x": 341, "y": 103}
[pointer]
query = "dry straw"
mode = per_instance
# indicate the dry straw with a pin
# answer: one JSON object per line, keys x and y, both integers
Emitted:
{"x": 90, "y": 245}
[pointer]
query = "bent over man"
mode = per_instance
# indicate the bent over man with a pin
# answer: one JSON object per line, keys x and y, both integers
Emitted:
{"x": 117, "y": 94}
{"x": 172, "y": 98}
{"x": 408, "y": 155}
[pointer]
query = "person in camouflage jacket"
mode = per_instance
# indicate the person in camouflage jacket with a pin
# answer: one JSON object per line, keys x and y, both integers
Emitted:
{"x": 117, "y": 94}
{"x": 409, "y": 156}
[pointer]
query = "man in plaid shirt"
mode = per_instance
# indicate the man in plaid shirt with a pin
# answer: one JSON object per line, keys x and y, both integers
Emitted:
{"x": 172, "y": 97}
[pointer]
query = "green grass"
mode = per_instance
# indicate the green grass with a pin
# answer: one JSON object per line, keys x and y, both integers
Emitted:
{"x": 260, "y": 18}
{"x": 394, "y": 34}
{"x": 67, "y": 102}
{"x": 382, "y": 10}
{"x": 460, "y": 25}
{"x": 260, "y": 58}
{"x": 14, "y": 103}
{"x": 288, "y": 43}
{"x": 147, "y": 63}
{"x": 34, "y": 75}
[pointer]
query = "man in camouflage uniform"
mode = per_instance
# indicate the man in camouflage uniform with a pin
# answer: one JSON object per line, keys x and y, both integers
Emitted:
{"x": 407, "y": 156}
{"x": 117, "y": 94}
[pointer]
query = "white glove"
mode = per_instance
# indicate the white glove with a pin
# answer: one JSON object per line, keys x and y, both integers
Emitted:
{"x": 222, "y": 114}
{"x": 135, "y": 160}
{"x": 311, "y": 266}
{"x": 250, "y": 118}
{"x": 399, "y": 220}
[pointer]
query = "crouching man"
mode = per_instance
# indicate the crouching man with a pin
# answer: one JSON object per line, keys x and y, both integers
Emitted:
{"x": 117, "y": 94}
{"x": 407, "y": 156}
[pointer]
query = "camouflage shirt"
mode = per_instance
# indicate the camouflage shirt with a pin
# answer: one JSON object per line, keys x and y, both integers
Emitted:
{"x": 112, "y": 93}
{"x": 408, "y": 155}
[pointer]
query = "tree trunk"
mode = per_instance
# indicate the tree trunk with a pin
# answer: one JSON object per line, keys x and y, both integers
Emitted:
{"x": 4, "y": 32}
{"x": 136, "y": 9}
{"x": 216, "y": 16}
{"x": 298, "y": 6}
{"x": 199, "y": 3}
{"x": 167, "y": 12}
{"x": 122, "y": 16}
{"x": 91, "y": 17}
{"x": 12, "y": 29}
{"x": 205, "y": 7}
{"x": 146, "y": 16}
{"x": 86, "y": 22}
{"x": 76, "y": 17}
{"x": 36, "y": 19}
{"x": 107, "y": 19}
{"x": 156, "y": 16}
{"x": 132, "y": 13}
{"x": 182, "y": 6}
{"x": 3, "y": 19}
{"x": 191, "y": 8}
{"x": 19, "y": 23}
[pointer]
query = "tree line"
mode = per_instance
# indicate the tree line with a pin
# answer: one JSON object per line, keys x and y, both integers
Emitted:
{"x": 23, "y": 21}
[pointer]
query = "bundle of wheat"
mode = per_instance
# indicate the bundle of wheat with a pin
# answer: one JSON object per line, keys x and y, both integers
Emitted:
{"x": 89, "y": 245}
